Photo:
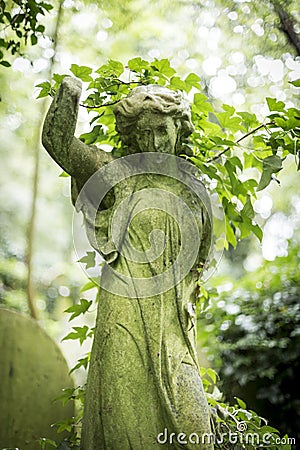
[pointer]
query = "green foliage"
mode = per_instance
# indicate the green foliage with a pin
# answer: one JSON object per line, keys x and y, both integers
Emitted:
{"x": 20, "y": 23}
{"x": 88, "y": 259}
{"x": 82, "y": 308}
{"x": 253, "y": 336}
{"x": 80, "y": 333}
{"x": 47, "y": 443}
{"x": 235, "y": 426}
{"x": 216, "y": 143}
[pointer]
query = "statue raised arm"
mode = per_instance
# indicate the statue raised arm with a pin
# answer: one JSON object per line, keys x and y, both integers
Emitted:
{"x": 74, "y": 157}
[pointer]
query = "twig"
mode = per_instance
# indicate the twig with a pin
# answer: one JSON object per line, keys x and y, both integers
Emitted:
{"x": 99, "y": 106}
{"x": 241, "y": 139}
{"x": 116, "y": 101}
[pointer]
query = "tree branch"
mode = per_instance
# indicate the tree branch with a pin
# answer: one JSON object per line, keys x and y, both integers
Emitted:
{"x": 287, "y": 23}
{"x": 240, "y": 140}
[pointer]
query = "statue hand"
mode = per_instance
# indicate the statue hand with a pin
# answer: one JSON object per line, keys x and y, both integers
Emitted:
{"x": 71, "y": 86}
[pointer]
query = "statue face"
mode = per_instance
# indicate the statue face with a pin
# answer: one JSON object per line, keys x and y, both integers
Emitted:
{"x": 156, "y": 133}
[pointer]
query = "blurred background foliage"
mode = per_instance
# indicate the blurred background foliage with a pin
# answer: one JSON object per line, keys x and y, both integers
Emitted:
{"x": 243, "y": 51}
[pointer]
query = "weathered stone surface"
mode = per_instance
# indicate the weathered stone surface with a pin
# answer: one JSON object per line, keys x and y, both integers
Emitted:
{"x": 33, "y": 373}
{"x": 144, "y": 376}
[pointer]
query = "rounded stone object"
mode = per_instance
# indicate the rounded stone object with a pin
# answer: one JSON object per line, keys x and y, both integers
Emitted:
{"x": 33, "y": 373}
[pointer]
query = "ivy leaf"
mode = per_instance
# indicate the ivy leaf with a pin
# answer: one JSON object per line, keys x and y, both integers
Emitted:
{"x": 64, "y": 425}
{"x": 45, "y": 442}
{"x": 68, "y": 394}
{"x": 227, "y": 121}
{"x": 177, "y": 84}
{"x": 81, "y": 308}
{"x": 88, "y": 259}
{"x": 228, "y": 108}
{"x": 45, "y": 89}
{"x": 96, "y": 134}
{"x": 274, "y": 105}
{"x": 89, "y": 285}
{"x": 80, "y": 333}
{"x": 111, "y": 69}
{"x": 271, "y": 164}
{"x": 201, "y": 103}
{"x": 248, "y": 209}
{"x": 58, "y": 78}
{"x": 230, "y": 236}
{"x": 138, "y": 65}
{"x": 82, "y": 72}
{"x": 265, "y": 180}
{"x": 249, "y": 120}
{"x": 192, "y": 80}
{"x": 295, "y": 83}
{"x": 212, "y": 374}
{"x": 82, "y": 362}
{"x": 164, "y": 67}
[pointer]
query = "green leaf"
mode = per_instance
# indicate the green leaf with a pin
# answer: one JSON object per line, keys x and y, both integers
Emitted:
{"x": 68, "y": 394}
{"x": 241, "y": 403}
{"x": 274, "y": 105}
{"x": 164, "y": 67}
{"x": 95, "y": 135}
{"x": 233, "y": 124}
{"x": 64, "y": 175}
{"x": 44, "y": 441}
{"x": 88, "y": 259}
{"x": 111, "y": 69}
{"x": 212, "y": 374}
{"x": 45, "y": 89}
{"x": 248, "y": 208}
{"x": 222, "y": 142}
{"x": 82, "y": 362}
{"x": 202, "y": 104}
{"x": 5, "y": 63}
{"x": 46, "y": 6}
{"x": 82, "y": 72}
{"x": 192, "y": 80}
{"x": 138, "y": 65}
{"x": 271, "y": 164}
{"x": 176, "y": 83}
{"x": 64, "y": 425}
{"x": 79, "y": 333}
{"x": 58, "y": 78}
{"x": 265, "y": 179}
{"x": 233, "y": 179}
{"x": 230, "y": 236}
{"x": 255, "y": 228}
{"x": 249, "y": 119}
{"x": 33, "y": 39}
{"x": 81, "y": 308}
{"x": 89, "y": 285}
{"x": 235, "y": 160}
{"x": 40, "y": 28}
{"x": 295, "y": 83}
{"x": 228, "y": 108}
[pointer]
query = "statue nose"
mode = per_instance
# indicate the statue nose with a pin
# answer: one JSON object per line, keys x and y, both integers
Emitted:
{"x": 156, "y": 142}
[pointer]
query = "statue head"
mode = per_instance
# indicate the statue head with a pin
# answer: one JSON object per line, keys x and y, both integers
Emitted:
{"x": 154, "y": 118}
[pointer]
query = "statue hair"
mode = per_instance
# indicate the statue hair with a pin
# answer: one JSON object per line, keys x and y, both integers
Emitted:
{"x": 156, "y": 99}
